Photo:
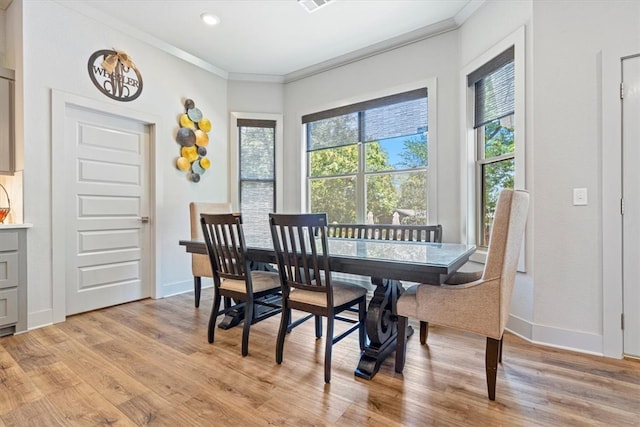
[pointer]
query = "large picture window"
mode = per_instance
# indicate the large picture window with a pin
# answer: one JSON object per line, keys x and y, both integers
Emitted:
{"x": 368, "y": 162}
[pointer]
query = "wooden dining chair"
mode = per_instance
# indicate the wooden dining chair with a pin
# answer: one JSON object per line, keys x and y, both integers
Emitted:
{"x": 233, "y": 278}
{"x": 300, "y": 244}
{"x": 200, "y": 265}
{"x": 480, "y": 306}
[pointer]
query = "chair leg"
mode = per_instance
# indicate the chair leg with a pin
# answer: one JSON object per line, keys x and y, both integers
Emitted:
{"x": 401, "y": 343}
{"x": 500, "y": 352}
{"x": 328, "y": 349}
{"x": 248, "y": 317}
{"x": 197, "y": 289}
{"x": 319, "y": 327}
{"x": 362, "y": 318}
{"x": 491, "y": 365}
{"x": 424, "y": 331}
{"x": 214, "y": 315}
{"x": 285, "y": 320}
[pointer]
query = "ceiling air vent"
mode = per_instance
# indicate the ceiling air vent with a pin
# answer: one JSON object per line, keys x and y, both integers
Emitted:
{"x": 312, "y": 5}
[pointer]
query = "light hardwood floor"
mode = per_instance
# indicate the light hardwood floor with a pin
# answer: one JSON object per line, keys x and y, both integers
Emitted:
{"x": 149, "y": 363}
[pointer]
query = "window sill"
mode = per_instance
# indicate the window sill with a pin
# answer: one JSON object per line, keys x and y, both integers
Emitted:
{"x": 479, "y": 256}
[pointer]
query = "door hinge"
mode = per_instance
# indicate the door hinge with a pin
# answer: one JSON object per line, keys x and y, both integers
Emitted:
{"x": 621, "y": 206}
{"x": 622, "y": 321}
{"x": 621, "y": 90}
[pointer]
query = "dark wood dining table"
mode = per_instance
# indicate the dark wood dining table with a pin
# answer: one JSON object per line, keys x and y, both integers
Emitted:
{"x": 387, "y": 263}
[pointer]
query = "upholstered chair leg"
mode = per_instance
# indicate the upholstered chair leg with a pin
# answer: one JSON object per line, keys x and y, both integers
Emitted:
{"x": 248, "y": 317}
{"x": 500, "y": 352}
{"x": 491, "y": 365}
{"x": 424, "y": 331}
{"x": 327, "y": 350}
{"x": 319, "y": 327}
{"x": 362, "y": 318}
{"x": 214, "y": 316}
{"x": 401, "y": 343}
{"x": 285, "y": 320}
{"x": 197, "y": 289}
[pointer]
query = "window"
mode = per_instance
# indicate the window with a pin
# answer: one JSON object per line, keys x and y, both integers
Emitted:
{"x": 367, "y": 162}
{"x": 494, "y": 123}
{"x": 494, "y": 119}
{"x": 253, "y": 176}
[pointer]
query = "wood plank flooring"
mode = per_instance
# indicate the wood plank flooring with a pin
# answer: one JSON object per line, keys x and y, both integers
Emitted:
{"x": 149, "y": 363}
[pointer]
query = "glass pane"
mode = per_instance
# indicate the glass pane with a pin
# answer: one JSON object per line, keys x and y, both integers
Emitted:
{"x": 495, "y": 177}
{"x": 336, "y": 197}
{"x": 499, "y": 137}
{"x": 399, "y": 198}
{"x": 404, "y": 118}
{"x": 257, "y": 153}
{"x": 334, "y": 161}
{"x": 256, "y": 202}
{"x": 333, "y": 132}
{"x": 403, "y": 152}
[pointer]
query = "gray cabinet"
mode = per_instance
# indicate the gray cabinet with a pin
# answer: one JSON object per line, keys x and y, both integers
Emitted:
{"x": 7, "y": 122}
{"x": 13, "y": 280}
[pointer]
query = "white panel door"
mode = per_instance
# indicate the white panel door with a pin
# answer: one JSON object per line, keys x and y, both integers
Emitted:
{"x": 631, "y": 196}
{"x": 107, "y": 240}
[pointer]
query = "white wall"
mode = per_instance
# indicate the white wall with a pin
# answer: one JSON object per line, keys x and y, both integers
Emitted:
{"x": 381, "y": 75}
{"x": 559, "y": 301}
{"x": 569, "y": 39}
{"x": 478, "y": 35}
{"x": 255, "y": 97}
{"x": 57, "y": 46}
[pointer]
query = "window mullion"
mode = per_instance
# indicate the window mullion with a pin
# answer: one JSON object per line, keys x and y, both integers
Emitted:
{"x": 361, "y": 193}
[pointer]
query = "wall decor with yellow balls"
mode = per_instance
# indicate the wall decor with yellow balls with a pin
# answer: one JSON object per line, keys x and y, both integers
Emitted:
{"x": 193, "y": 139}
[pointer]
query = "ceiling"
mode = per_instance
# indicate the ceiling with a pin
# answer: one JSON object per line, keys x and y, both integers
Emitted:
{"x": 276, "y": 39}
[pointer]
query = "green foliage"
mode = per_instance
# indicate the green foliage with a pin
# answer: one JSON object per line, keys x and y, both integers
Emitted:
{"x": 415, "y": 153}
{"x": 499, "y": 140}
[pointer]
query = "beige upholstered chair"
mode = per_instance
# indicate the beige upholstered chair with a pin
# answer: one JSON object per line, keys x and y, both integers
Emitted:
{"x": 200, "y": 265}
{"x": 480, "y": 306}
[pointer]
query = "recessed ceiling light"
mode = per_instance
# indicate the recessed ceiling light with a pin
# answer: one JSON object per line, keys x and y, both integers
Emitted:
{"x": 210, "y": 19}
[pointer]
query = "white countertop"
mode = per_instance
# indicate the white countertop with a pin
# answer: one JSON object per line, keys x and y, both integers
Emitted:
{"x": 11, "y": 226}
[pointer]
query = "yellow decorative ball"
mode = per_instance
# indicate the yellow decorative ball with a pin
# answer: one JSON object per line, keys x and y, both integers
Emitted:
{"x": 205, "y": 163}
{"x": 202, "y": 139}
{"x": 186, "y": 122}
{"x": 183, "y": 164}
{"x": 190, "y": 153}
{"x": 204, "y": 124}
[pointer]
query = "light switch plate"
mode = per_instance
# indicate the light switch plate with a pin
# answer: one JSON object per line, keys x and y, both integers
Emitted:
{"x": 579, "y": 196}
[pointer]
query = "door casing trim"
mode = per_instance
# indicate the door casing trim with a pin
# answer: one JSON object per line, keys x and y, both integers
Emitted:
{"x": 59, "y": 103}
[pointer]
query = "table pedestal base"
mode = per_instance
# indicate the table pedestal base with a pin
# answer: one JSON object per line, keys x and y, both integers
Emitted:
{"x": 381, "y": 326}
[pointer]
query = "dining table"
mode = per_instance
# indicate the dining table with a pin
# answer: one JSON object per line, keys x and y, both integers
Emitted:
{"x": 387, "y": 263}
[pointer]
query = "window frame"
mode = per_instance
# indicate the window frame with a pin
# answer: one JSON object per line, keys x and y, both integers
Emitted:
{"x": 234, "y": 156}
{"x": 471, "y": 158}
{"x": 431, "y": 172}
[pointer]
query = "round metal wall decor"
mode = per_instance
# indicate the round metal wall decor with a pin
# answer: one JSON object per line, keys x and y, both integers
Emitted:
{"x": 193, "y": 139}
{"x": 115, "y": 75}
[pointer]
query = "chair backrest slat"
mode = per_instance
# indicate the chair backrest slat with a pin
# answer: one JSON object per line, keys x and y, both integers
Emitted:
{"x": 295, "y": 241}
{"x": 225, "y": 244}
{"x": 412, "y": 233}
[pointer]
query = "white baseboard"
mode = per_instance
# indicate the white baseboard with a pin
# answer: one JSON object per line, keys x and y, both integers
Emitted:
{"x": 176, "y": 288}
{"x": 554, "y": 337}
{"x": 39, "y": 319}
